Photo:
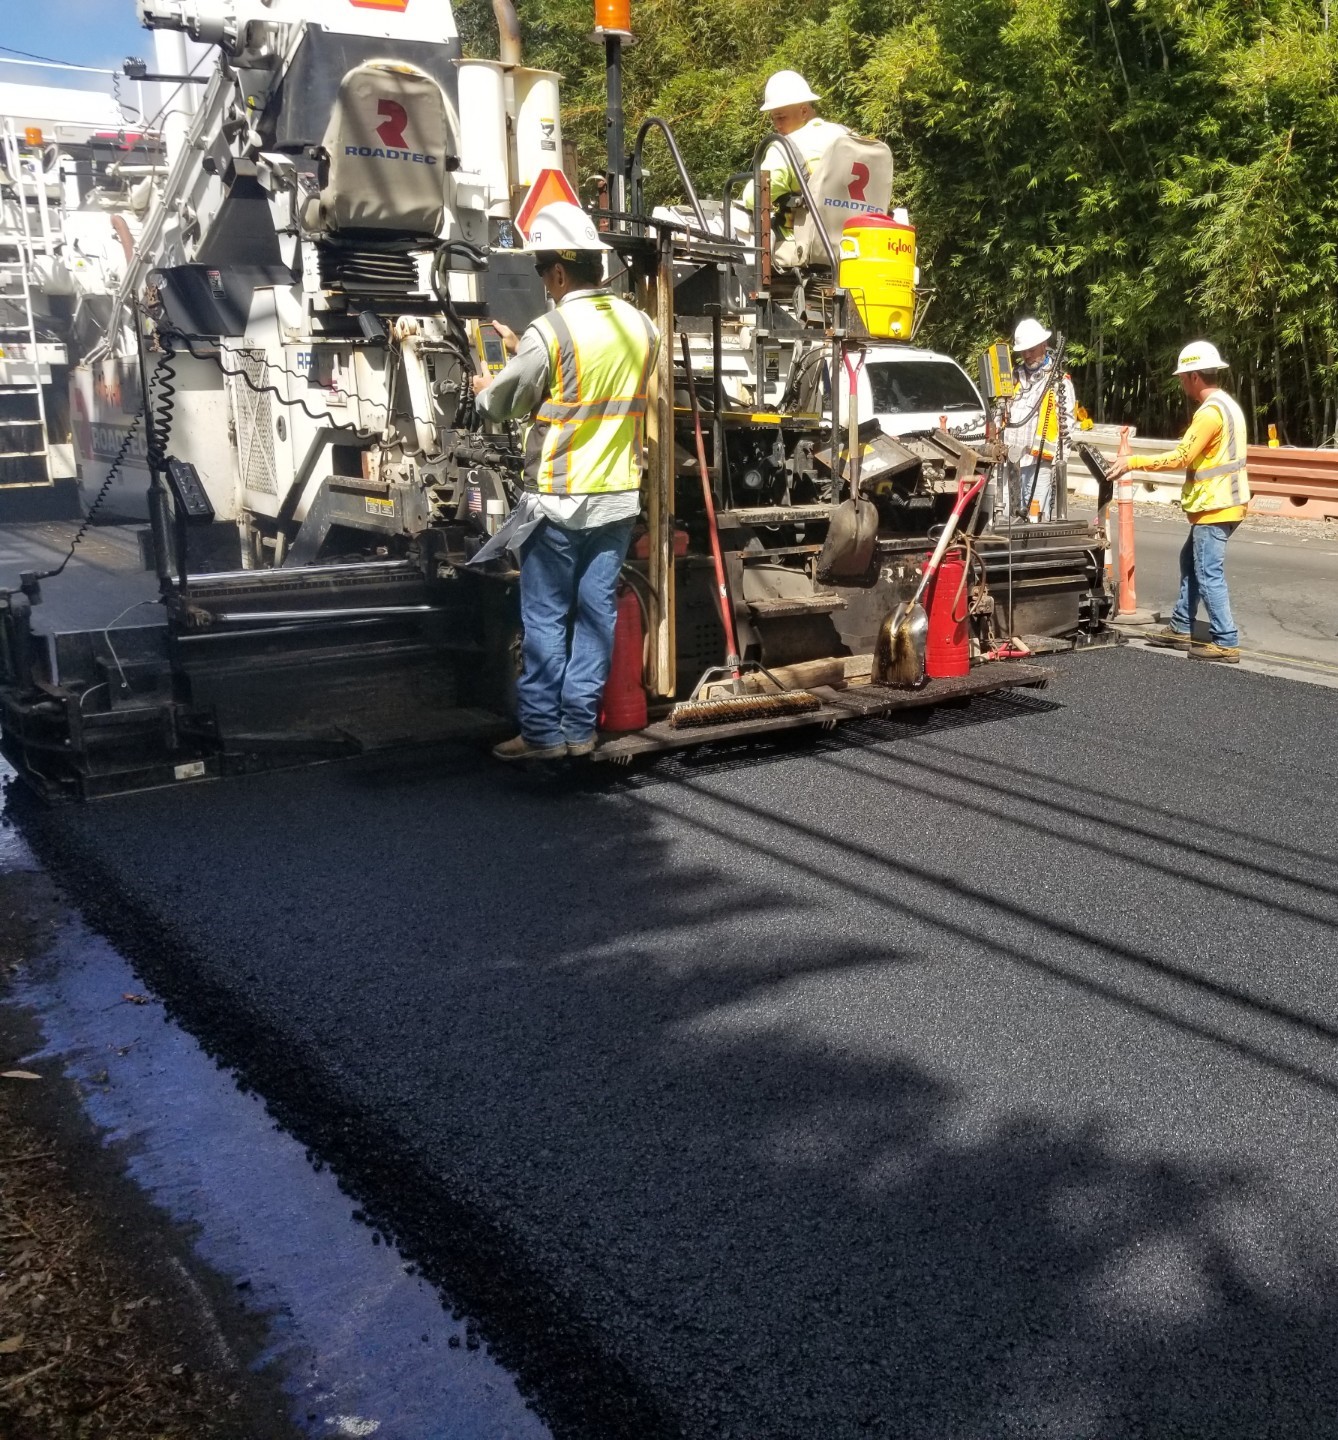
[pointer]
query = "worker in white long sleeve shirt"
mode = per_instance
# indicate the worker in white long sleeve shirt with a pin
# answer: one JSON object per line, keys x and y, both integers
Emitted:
{"x": 1032, "y": 429}
{"x": 789, "y": 101}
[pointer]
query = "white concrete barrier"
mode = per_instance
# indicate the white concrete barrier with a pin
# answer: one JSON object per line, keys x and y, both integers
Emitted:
{"x": 1162, "y": 488}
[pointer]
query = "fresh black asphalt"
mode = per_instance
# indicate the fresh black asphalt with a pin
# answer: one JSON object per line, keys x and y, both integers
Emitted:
{"x": 972, "y": 1078}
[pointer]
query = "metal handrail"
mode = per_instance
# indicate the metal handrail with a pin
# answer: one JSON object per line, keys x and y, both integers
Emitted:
{"x": 800, "y": 170}
{"x": 654, "y": 122}
{"x": 729, "y": 190}
{"x": 729, "y": 249}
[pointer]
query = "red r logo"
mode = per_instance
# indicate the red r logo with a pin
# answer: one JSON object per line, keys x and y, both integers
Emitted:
{"x": 397, "y": 117}
{"x": 859, "y": 178}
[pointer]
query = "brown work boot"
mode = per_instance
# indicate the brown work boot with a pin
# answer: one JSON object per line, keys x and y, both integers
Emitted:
{"x": 1227, "y": 654}
{"x": 521, "y": 749}
{"x": 582, "y": 747}
{"x": 1170, "y": 639}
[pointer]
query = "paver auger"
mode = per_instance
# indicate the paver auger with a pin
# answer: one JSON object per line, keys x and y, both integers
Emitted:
{"x": 313, "y": 290}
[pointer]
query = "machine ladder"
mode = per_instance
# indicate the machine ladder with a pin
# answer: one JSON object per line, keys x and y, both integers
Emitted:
{"x": 25, "y": 452}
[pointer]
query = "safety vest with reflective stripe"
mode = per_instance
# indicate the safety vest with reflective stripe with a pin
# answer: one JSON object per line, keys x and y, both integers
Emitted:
{"x": 600, "y": 353}
{"x": 1043, "y": 438}
{"x": 1218, "y": 480}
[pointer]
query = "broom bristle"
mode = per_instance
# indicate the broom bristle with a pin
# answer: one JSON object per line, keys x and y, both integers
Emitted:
{"x": 896, "y": 661}
{"x": 727, "y": 708}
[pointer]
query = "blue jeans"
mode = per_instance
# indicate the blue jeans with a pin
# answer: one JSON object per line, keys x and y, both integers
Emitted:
{"x": 1036, "y": 482}
{"x": 568, "y": 605}
{"x": 1203, "y": 577}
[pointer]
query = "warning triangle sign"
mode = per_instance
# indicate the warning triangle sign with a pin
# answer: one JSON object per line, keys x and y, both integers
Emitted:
{"x": 549, "y": 186}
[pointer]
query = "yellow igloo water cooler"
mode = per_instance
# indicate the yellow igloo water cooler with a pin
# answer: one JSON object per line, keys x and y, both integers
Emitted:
{"x": 878, "y": 269}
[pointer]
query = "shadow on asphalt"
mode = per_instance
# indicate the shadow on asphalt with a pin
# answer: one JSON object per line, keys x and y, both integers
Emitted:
{"x": 643, "y": 1071}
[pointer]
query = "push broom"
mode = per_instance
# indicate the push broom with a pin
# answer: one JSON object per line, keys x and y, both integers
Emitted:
{"x": 741, "y": 704}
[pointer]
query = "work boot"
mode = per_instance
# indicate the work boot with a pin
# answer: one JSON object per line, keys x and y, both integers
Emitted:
{"x": 581, "y": 747}
{"x": 1170, "y": 639}
{"x": 1227, "y": 654}
{"x": 521, "y": 749}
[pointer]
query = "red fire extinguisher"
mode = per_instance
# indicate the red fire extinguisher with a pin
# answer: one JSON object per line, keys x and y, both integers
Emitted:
{"x": 948, "y": 645}
{"x": 624, "y": 705}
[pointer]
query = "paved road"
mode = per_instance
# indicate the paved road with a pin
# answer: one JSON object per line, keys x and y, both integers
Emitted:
{"x": 98, "y": 585}
{"x": 1283, "y": 581}
{"x": 977, "y": 1079}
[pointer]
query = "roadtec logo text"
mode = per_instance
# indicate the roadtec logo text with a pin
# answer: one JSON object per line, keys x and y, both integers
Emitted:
{"x": 369, "y": 152}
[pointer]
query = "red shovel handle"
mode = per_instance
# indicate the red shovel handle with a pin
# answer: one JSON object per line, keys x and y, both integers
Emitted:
{"x": 965, "y": 495}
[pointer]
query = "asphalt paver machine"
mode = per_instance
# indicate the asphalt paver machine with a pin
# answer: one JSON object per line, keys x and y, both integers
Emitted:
{"x": 314, "y": 287}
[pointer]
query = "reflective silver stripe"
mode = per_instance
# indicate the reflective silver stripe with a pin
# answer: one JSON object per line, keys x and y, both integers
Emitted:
{"x": 558, "y": 413}
{"x": 1235, "y": 461}
{"x": 559, "y": 459}
{"x": 652, "y": 336}
{"x": 555, "y": 460}
{"x": 1234, "y": 464}
{"x": 566, "y": 355}
{"x": 652, "y": 345}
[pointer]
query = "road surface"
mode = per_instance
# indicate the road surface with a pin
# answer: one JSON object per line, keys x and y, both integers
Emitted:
{"x": 1283, "y": 580}
{"x": 975, "y": 1078}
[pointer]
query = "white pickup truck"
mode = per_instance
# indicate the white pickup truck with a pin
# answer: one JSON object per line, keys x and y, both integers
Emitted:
{"x": 908, "y": 389}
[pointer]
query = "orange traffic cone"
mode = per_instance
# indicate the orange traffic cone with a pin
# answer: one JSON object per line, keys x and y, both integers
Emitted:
{"x": 1127, "y": 602}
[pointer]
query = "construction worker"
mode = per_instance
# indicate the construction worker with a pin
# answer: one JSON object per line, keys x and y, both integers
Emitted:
{"x": 789, "y": 101}
{"x": 580, "y": 372}
{"x": 1214, "y": 498}
{"x": 1035, "y": 415}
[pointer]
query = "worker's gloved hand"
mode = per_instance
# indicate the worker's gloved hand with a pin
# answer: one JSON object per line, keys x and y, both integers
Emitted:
{"x": 480, "y": 383}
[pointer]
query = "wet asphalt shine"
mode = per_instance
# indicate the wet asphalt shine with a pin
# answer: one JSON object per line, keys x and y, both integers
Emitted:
{"x": 968, "y": 1077}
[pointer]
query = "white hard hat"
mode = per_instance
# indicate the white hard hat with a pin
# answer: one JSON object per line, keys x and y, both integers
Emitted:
{"x": 563, "y": 226}
{"x": 786, "y": 87}
{"x": 1199, "y": 355}
{"x": 1029, "y": 332}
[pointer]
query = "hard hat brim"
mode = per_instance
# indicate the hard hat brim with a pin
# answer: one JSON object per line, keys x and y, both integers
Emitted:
{"x": 808, "y": 98}
{"x": 1204, "y": 365}
{"x": 547, "y": 247}
{"x": 560, "y": 227}
{"x": 1040, "y": 339}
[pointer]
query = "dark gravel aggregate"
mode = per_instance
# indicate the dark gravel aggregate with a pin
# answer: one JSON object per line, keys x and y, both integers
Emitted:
{"x": 967, "y": 1078}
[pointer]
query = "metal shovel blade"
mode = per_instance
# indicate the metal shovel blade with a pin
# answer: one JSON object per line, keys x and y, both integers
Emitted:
{"x": 848, "y": 548}
{"x": 899, "y": 655}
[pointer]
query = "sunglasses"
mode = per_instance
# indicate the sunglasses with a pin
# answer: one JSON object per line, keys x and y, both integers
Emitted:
{"x": 544, "y": 267}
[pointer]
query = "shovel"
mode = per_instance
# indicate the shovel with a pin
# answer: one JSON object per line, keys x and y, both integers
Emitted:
{"x": 899, "y": 655}
{"x": 853, "y": 528}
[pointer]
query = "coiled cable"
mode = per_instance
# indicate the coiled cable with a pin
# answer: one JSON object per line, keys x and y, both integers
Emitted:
{"x": 164, "y": 404}
{"x": 113, "y": 470}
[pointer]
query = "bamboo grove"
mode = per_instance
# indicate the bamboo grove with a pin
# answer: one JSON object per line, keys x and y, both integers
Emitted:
{"x": 1136, "y": 172}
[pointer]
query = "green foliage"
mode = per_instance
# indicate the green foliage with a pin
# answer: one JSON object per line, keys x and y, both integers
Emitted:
{"x": 1136, "y": 172}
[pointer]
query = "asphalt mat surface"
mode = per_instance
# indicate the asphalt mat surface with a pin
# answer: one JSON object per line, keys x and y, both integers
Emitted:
{"x": 974, "y": 1078}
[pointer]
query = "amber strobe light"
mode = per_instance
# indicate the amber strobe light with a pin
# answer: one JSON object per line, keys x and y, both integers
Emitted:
{"x": 613, "y": 17}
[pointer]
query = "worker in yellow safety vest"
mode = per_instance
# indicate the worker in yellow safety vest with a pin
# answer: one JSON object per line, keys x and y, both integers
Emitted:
{"x": 580, "y": 373}
{"x": 1041, "y": 408}
{"x": 1215, "y": 497}
{"x": 788, "y": 101}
